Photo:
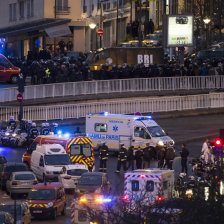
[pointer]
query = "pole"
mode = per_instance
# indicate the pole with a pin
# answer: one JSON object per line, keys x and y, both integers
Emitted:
{"x": 55, "y": 16}
{"x": 117, "y": 24}
{"x": 15, "y": 215}
{"x": 101, "y": 12}
{"x": 21, "y": 111}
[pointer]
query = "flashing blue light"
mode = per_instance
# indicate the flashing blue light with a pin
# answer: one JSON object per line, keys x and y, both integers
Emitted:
{"x": 59, "y": 132}
{"x": 149, "y": 117}
{"x": 107, "y": 200}
{"x": 67, "y": 135}
{"x": 106, "y": 113}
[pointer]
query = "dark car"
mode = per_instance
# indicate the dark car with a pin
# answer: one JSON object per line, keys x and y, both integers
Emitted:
{"x": 6, "y": 218}
{"x": 3, "y": 161}
{"x": 94, "y": 182}
{"x": 8, "y": 168}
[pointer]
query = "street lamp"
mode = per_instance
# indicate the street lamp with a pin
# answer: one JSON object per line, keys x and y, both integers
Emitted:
{"x": 92, "y": 26}
{"x": 207, "y": 20}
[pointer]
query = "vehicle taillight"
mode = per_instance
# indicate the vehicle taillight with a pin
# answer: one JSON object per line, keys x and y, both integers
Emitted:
{"x": 125, "y": 197}
{"x": 159, "y": 198}
{"x": 67, "y": 177}
{"x": 35, "y": 182}
{"x": 14, "y": 183}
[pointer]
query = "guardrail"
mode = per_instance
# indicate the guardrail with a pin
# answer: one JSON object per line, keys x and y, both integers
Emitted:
{"x": 114, "y": 86}
{"x": 147, "y": 105}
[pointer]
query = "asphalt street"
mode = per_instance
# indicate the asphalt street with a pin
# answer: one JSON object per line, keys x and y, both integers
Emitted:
{"x": 182, "y": 129}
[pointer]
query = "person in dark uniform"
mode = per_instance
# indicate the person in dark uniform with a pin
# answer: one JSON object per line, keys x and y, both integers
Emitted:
{"x": 169, "y": 157}
{"x": 184, "y": 153}
{"x": 130, "y": 158}
{"x": 122, "y": 158}
{"x": 103, "y": 156}
{"x": 33, "y": 133}
{"x": 161, "y": 157}
{"x": 146, "y": 156}
{"x": 11, "y": 123}
{"x": 138, "y": 158}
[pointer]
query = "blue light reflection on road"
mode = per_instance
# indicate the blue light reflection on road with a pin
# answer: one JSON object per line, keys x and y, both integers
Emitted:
{"x": 12, "y": 154}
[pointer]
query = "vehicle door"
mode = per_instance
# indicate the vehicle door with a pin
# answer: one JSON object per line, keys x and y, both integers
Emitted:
{"x": 59, "y": 200}
{"x": 5, "y": 68}
{"x": 140, "y": 137}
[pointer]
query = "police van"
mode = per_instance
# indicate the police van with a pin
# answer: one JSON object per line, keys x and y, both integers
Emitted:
{"x": 116, "y": 129}
{"x": 149, "y": 185}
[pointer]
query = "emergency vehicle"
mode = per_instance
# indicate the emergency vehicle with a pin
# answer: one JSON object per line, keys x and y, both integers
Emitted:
{"x": 8, "y": 72}
{"x": 80, "y": 149}
{"x": 47, "y": 199}
{"x": 116, "y": 129}
{"x": 149, "y": 185}
{"x": 96, "y": 203}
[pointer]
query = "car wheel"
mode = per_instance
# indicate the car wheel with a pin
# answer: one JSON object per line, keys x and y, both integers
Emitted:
{"x": 63, "y": 213}
{"x": 14, "y": 79}
{"x": 54, "y": 214}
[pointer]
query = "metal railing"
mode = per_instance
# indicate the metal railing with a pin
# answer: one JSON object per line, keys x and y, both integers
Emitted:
{"x": 114, "y": 86}
{"x": 145, "y": 105}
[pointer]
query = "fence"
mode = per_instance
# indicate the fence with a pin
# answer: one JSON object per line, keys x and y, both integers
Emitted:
{"x": 145, "y": 105}
{"x": 114, "y": 86}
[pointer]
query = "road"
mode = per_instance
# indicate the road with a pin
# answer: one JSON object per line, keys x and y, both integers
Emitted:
{"x": 180, "y": 129}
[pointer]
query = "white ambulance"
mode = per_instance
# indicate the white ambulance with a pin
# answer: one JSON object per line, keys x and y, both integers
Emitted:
{"x": 116, "y": 129}
{"x": 149, "y": 185}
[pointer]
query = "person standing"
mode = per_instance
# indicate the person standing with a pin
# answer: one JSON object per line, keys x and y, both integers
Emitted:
{"x": 103, "y": 156}
{"x": 146, "y": 156}
{"x": 170, "y": 155}
{"x": 151, "y": 26}
{"x": 184, "y": 153}
{"x": 138, "y": 158}
{"x": 122, "y": 158}
{"x": 161, "y": 157}
{"x": 206, "y": 151}
{"x": 130, "y": 157}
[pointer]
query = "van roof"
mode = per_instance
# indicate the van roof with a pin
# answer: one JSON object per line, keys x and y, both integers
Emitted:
{"x": 51, "y": 149}
{"x": 151, "y": 171}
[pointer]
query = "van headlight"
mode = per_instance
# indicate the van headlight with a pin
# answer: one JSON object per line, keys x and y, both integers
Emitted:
{"x": 160, "y": 143}
{"x": 7, "y": 134}
{"x": 50, "y": 204}
{"x": 14, "y": 135}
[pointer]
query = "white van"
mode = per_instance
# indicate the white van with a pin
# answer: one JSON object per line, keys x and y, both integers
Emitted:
{"x": 116, "y": 129}
{"x": 48, "y": 161}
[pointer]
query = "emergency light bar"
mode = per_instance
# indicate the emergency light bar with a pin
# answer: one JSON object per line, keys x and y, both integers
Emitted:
{"x": 143, "y": 118}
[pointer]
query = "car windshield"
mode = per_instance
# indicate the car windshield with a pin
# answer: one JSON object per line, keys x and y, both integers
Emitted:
{"x": 15, "y": 168}
{"x": 156, "y": 131}
{"x": 41, "y": 194}
{"x": 24, "y": 177}
{"x": 10, "y": 210}
{"x": 57, "y": 159}
{"x": 90, "y": 180}
{"x": 76, "y": 172}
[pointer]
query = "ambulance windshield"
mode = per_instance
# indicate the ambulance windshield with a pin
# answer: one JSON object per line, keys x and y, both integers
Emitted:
{"x": 156, "y": 131}
{"x": 57, "y": 159}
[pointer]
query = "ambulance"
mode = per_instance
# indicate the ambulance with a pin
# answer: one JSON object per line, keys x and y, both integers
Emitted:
{"x": 149, "y": 185}
{"x": 80, "y": 149}
{"x": 116, "y": 129}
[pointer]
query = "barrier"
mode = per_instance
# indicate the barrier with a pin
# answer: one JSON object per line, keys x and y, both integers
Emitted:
{"x": 114, "y": 86}
{"x": 145, "y": 105}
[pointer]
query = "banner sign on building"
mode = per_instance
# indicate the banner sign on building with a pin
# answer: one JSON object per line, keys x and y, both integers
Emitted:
{"x": 58, "y": 31}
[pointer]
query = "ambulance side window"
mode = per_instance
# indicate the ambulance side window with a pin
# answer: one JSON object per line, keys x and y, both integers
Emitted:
{"x": 149, "y": 185}
{"x": 141, "y": 133}
{"x": 101, "y": 127}
{"x": 75, "y": 150}
{"x": 135, "y": 185}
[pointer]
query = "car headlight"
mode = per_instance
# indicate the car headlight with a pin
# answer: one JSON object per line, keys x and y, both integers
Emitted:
{"x": 160, "y": 143}
{"x": 14, "y": 135}
{"x": 7, "y": 134}
{"x": 50, "y": 204}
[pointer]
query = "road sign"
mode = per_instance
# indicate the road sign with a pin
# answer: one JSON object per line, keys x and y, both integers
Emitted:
{"x": 100, "y": 32}
{"x": 19, "y": 97}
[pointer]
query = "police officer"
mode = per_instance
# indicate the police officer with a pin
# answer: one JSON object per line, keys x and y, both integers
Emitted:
{"x": 184, "y": 153}
{"x": 44, "y": 129}
{"x": 103, "y": 156}
{"x": 146, "y": 156}
{"x": 122, "y": 158}
{"x": 11, "y": 123}
{"x": 33, "y": 133}
{"x": 54, "y": 128}
{"x": 22, "y": 124}
{"x": 28, "y": 126}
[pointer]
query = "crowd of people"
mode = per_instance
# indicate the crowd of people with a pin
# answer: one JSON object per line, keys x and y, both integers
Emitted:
{"x": 62, "y": 69}
{"x": 142, "y": 158}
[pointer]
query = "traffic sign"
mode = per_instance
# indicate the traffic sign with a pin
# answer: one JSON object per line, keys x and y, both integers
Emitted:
{"x": 19, "y": 97}
{"x": 100, "y": 32}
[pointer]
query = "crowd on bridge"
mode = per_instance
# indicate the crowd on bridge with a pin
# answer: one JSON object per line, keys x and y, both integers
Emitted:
{"x": 62, "y": 69}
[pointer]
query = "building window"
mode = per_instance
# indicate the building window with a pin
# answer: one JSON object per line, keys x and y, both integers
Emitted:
{"x": 21, "y": 10}
{"x": 12, "y": 12}
{"x": 84, "y": 8}
{"x": 62, "y": 5}
{"x": 30, "y": 8}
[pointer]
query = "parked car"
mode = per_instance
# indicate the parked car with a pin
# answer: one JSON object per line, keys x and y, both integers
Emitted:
{"x": 23, "y": 215}
{"x": 152, "y": 40}
{"x": 47, "y": 199}
{"x": 96, "y": 182}
{"x": 3, "y": 161}
{"x": 8, "y": 72}
{"x": 6, "y": 218}
{"x": 8, "y": 169}
{"x": 20, "y": 182}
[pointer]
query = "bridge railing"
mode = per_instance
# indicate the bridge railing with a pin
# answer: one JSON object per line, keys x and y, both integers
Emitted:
{"x": 114, "y": 86}
{"x": 144, "y": 105}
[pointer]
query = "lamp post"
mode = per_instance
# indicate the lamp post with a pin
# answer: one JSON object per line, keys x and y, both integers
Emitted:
{"x": 206, "y": 21}
{"x": 92, "y": 26}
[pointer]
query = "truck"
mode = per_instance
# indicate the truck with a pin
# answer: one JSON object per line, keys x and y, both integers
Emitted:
{"x": 149, "y": 185}
{"x": 128, "y": 55}
{"x": 130, "y": 130}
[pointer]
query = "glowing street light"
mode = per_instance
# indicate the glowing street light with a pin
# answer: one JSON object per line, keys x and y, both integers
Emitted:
{"x": 206, "y": 20}
{"x": 92, "y": 26}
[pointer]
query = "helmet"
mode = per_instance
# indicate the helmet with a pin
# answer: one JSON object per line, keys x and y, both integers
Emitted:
{"x": 34, "y": 124}
{"x": 29, "y": 121}
{"x": 182, "y": 175}
{"x": 55, "y": 124}
{"x": 24, "y": 119}
{"x": 47, "y": 124}
{"x": 11, "y": 117}
{"x": 43, "y": 125}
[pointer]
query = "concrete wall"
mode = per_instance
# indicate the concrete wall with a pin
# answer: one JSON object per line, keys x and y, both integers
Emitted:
{"x": 4, "y": 13}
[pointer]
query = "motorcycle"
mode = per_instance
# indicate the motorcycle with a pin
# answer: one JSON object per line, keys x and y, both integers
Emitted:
{"x": 5, "y": 137}
{"x": 18, "y": 138}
